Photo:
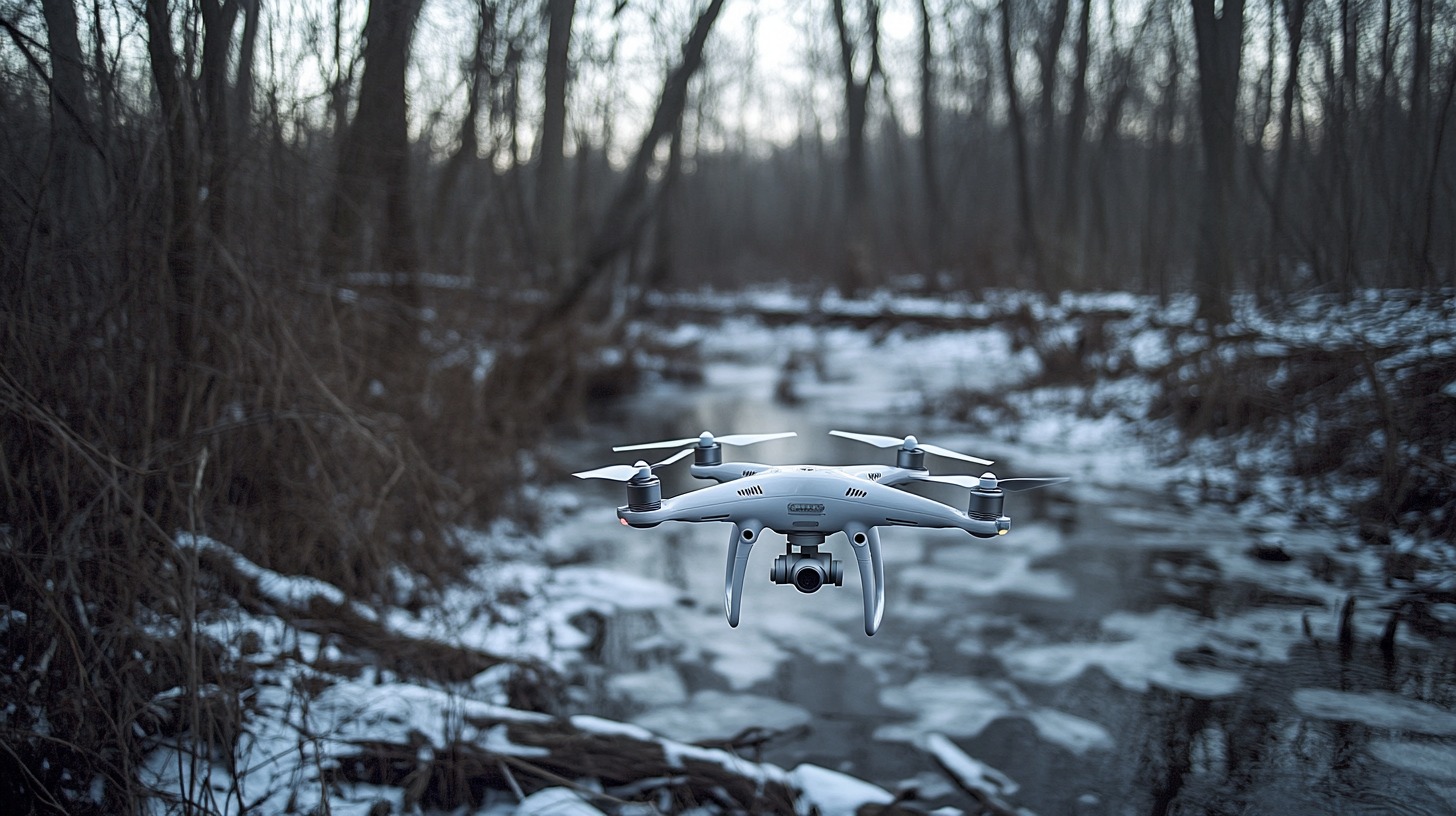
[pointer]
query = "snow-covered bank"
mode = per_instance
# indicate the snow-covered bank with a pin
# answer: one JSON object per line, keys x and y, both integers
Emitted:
{"x": 323, "y": 728}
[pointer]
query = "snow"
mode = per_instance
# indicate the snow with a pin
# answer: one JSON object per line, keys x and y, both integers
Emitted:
{"x": 289, "y": 590}
{"x": 967, "y": 770}
{"x": 1429, "y": 759}
{"x": 556, "y": 802}
{"x": 598, "y": 725}
{"x": 834, "y": 793}
{"x": 979, "y": 569}
{"x": 1143, "y": 654}
{"x": 1377, "y": 709}
{"x": 964, "y": 707}
{"x": 659, "y": 685}
{"x": 718, "y": 715}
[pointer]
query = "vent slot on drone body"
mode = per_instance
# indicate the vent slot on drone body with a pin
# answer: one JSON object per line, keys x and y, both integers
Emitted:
{"x": 855, "y": 493}
{"x": 874, "y": 477}
{"x": 748, "y": 473}
{"x": 755, "y": 490}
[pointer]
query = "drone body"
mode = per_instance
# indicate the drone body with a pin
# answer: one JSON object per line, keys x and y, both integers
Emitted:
{"x": 808, "y": 503}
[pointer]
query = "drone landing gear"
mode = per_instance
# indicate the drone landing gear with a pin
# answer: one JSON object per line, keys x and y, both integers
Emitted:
{"x": 808, "y": 569}
{"x": 739, "y": 546}
{"x": 866, "y": 544}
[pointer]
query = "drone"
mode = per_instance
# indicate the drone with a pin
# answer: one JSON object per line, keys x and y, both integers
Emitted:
{"x": 808, "y": 503}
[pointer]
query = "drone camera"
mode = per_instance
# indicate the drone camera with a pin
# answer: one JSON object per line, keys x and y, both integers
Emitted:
{"x": 807, "y": 572}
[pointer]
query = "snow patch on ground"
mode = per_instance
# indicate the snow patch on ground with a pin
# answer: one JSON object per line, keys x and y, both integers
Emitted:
{"x": 835, "y": 793}
{"x": 1377, "y": 709}
{"x": 716, "y": 715}
{"x": 964, "y": 707}
{"x": 1141, "y": 653}
{"x": 1429, "y": 759}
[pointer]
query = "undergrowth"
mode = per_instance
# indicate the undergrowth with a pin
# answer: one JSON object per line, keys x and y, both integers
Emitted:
{"x": 281, "y": 427}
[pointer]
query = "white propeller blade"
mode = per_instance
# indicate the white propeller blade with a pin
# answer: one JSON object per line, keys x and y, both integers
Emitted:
{"x": 1030, "y": 482}
{"x": 731, "y": 439}
{"x": 909, "y": 443}
{"x": 948, "y": 453}
{"x": 1008, "y": 485}
{"x": 871, "y": 439}
{"x": 626, "y": 473}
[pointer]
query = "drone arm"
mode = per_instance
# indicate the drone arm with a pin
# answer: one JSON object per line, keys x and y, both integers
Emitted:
{"x": 894, "y": 477}
{"x": 726, "y": 471}
{"x": 739, "y": 547}
{"x": 865, "y": 541}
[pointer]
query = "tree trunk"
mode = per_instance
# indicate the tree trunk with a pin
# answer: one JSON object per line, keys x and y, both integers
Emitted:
{"x": 1028, "y": 254}
{"x": 371, "y": 219}
{"x": 1048, "y": 52}
{"x": 242, "y": 117}
{"x": 934, "y": 215}
{"x": 1294, "y": 12}
{"x": 858, "y": 238}
{"x": 662, "y": 266}
{"x": 552, "y": 212}
{"x": 1075, "y": 136}
{"x": 74, "y": 173}
{"x": 1219, "y": 39}
{"x": 218, "y": 19}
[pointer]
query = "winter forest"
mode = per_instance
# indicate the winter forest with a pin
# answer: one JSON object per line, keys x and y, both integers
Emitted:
{"x": 311, "y": 309}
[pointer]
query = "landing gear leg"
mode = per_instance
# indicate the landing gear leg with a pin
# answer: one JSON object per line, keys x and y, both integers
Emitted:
{"x": 739, "y": 547}
{"x": 866, "y": 545}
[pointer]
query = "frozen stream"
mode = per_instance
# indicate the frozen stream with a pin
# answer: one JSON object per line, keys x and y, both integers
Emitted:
{"x": 1121, "y": 651}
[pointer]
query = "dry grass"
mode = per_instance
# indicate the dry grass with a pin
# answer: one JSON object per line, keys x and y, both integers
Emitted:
{"x": 629, "y": 771}
{"x": 250, "y": 415}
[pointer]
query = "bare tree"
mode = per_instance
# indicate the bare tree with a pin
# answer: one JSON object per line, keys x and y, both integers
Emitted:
{"x": 929, "y": 161}
{"x": 1075, "y": 134}
{"x": 1218, "y": 36}
{"x": 1293, "y": 14}
{"x": 630, "y": 207}
{"x": 1028, "y": 253}
{"x": 1048, "y": 52}
{"x": 858, "y": 245}
{"x": 371, "y": 216}
{"x": 552, "y": 190}
{"x": 73, "y": 169}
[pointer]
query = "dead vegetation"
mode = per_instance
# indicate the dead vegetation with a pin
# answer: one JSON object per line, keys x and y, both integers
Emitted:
{"x": 612, "y": 771}
{"x": 1359, "y": 414}
{"x": 1371, "y": 415}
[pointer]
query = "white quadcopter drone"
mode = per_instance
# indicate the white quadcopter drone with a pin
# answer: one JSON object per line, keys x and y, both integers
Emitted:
{"x": 807, "y": 503}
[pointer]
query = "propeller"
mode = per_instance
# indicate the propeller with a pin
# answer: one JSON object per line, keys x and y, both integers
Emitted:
{"x": 909, "y": 443}
{"x": 706, "y": 440}
{"x": 627, "y": 473}
{"x": 988, "y": 481}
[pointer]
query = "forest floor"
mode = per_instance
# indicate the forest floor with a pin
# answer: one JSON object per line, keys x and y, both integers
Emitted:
{"x": 1335, "y": 414}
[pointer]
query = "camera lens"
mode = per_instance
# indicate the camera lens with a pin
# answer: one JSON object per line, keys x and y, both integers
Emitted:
{"x": 808, "y": 576}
